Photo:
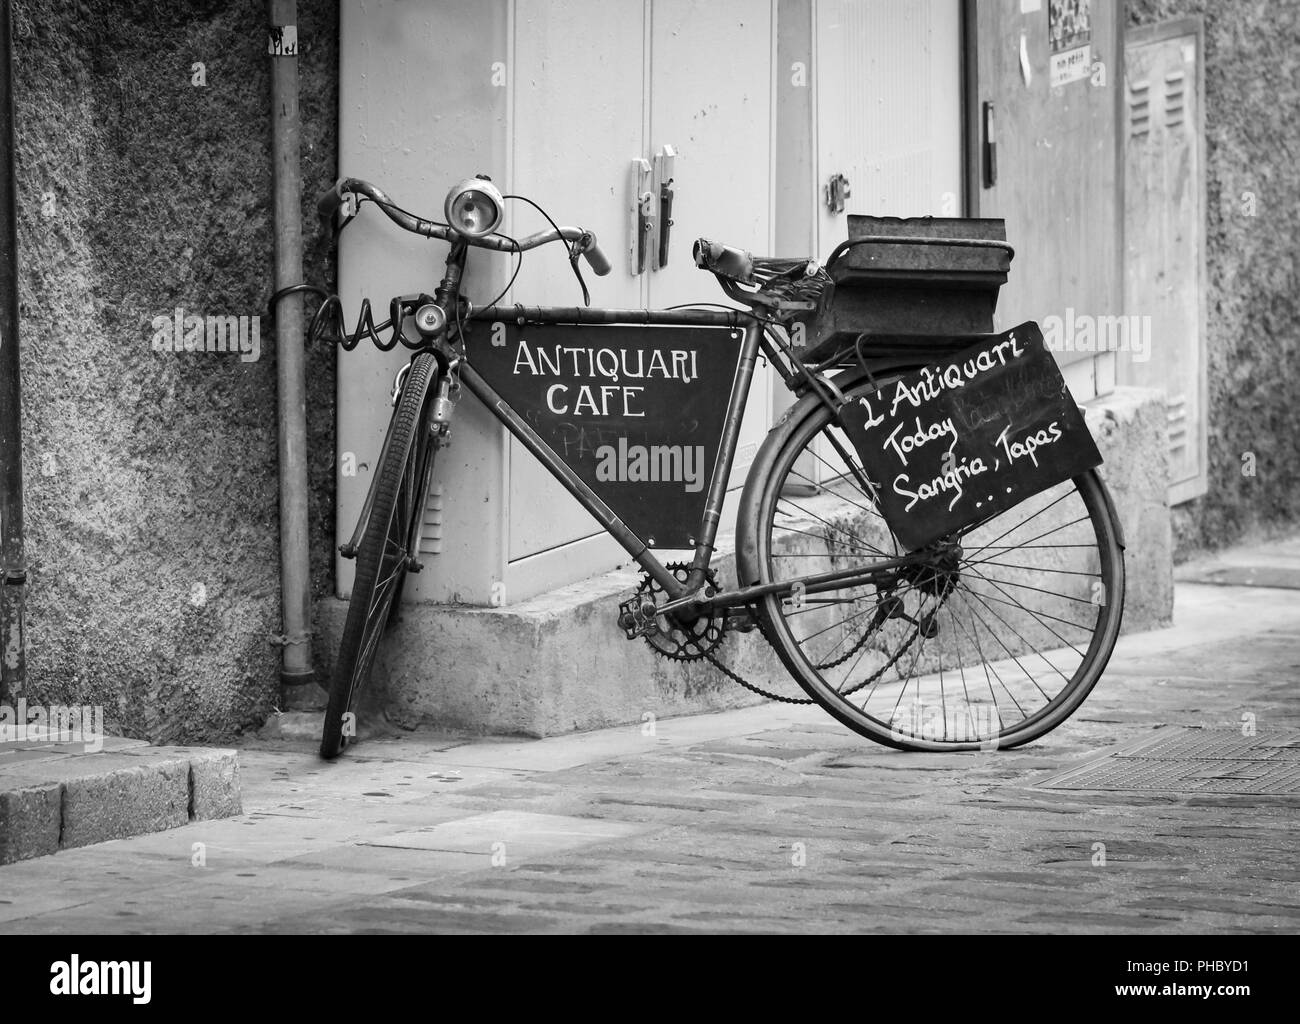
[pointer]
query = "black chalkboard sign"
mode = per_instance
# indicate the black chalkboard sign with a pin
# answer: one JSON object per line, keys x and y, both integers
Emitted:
{"x": 635, "y": 411}
{"x": 970, "y": 436}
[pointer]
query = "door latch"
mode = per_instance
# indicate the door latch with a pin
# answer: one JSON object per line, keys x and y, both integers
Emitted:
{"x": 990, "y": 148}
{"x": 642, "y": 225}
{"x": 665, "y": 169}
{"x": 665, "y": 222}
{"x": 837, "y": 190}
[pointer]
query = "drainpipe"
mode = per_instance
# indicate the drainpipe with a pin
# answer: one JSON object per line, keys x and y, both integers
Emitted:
{"x": 13, "y": 572}
{"x": 286, "y": 133}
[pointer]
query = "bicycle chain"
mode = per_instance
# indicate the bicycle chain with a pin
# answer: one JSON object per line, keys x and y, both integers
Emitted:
{"x": 754, "y": 688}
{"x": 750, "y": 686}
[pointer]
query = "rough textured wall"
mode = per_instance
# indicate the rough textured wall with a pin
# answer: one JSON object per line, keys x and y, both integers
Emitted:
{"x": 1252, "y": 85}
{"x": 151, "y": 477}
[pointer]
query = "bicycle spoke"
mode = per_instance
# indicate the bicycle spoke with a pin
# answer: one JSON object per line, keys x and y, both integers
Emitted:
{"x": 1040, "y": 569}
{"x": 974, "y": 635}
{"x": 1023, "y": 639}
{"x": 809, "y": 480}
{"x": 814, "y": 536}
{"x": 871, "y": 509}
{"x": 988, "y": 665}
{"x": 1038, "y": 615}
{"x": 830, "y": 525}
{"x": 1062, "y": 526}
{"x": 1040, "y": 590}
{"x": 907, "y": 680}
{"x": 1022, "y": 522}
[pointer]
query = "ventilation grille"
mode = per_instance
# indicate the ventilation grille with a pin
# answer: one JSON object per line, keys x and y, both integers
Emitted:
{"x": 1139, "y": 108}
{"x": 1176, "y": 420}
{"x": 1175, "y": 99}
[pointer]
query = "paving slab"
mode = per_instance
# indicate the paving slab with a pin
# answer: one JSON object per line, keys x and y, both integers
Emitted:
{"x": 766, "y": 819}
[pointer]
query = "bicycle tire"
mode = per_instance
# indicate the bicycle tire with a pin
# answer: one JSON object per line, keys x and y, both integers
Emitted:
{"x": 966, "y": 594}
{"x": 387, "y": 537}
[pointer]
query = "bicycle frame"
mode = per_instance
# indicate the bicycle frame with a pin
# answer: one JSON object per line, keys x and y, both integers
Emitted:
{"x": 681, "y": 593}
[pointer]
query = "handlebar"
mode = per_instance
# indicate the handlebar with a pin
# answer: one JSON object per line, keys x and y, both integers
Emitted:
{"x": 327, "y": 205}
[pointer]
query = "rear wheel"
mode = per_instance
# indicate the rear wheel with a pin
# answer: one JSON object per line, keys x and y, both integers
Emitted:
{"x": 382, "y": 557}
{"x": 990, "y": 639}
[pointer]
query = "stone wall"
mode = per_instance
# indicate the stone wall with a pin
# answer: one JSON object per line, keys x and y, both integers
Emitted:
{"x": 1252, "y": 85}
{"x": 144, "y": 185}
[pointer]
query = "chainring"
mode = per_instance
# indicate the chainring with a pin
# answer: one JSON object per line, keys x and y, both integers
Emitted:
{"x": 683, "y": 641}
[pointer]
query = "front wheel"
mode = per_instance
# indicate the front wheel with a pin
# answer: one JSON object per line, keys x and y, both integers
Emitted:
{"x": 390, "y": 536}
{"x": 992, "y": 639}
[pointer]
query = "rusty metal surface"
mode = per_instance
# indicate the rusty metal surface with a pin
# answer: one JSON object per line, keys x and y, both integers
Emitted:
{"x": 1192, "y": 761}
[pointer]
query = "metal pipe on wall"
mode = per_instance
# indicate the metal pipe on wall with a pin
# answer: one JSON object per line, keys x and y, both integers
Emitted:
{"x": 13, "y": 572}
{"x": 286, "y": 134}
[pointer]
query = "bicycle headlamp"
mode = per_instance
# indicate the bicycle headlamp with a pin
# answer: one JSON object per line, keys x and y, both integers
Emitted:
{"x": 474, "y": 207}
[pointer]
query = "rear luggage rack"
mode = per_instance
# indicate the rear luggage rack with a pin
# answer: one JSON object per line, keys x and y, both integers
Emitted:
{"x": 912, "y": 286}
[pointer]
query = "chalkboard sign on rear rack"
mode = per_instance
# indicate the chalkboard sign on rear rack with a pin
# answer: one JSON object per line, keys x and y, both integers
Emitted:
{"x": 969, "y": 436}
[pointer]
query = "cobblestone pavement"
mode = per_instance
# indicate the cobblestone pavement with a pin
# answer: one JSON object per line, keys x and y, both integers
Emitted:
{"x": 770, "y": 819}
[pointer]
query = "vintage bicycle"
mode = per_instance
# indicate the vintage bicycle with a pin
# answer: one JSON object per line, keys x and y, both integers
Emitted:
{"x": 912, "y": 609}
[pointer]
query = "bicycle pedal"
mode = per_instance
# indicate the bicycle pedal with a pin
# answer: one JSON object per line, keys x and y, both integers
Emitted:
{"x": 637, "y": 618}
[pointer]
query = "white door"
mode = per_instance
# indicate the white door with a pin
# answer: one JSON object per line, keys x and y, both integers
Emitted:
{"x": 695, "y": 76}
{"x": 576, "y": 124}
{"x": 711, "y": 100}
{"x": 889, "y": 110}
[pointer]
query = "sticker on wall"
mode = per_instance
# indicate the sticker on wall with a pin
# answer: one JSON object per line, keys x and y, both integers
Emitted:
{"x": 283, "y": 41}
{"x": 1069, "y": 35}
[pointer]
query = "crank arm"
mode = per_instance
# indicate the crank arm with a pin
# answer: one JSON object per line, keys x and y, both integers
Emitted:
{"x": 692, "y": 598}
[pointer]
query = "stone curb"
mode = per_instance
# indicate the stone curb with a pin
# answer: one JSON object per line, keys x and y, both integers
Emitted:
{"x": 64, "y": 800}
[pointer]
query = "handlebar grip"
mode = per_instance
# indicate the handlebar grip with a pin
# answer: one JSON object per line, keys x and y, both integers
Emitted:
{"x": 596, "y": 258}
{"x": 328, "y": 203}
{"x": 723, "y": 260}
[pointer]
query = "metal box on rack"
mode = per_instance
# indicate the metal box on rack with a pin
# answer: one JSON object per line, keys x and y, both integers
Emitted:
{"x": 909, "y": 283}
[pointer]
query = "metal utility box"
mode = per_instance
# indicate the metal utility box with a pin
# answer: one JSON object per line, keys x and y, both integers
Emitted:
{"x": 908, "y": 279}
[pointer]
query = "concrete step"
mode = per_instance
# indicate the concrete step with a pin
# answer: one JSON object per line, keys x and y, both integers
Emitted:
{"x": 56, "y": 796}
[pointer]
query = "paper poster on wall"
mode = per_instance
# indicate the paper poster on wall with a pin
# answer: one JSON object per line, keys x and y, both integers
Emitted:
{"x": 1069, "y": 34}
